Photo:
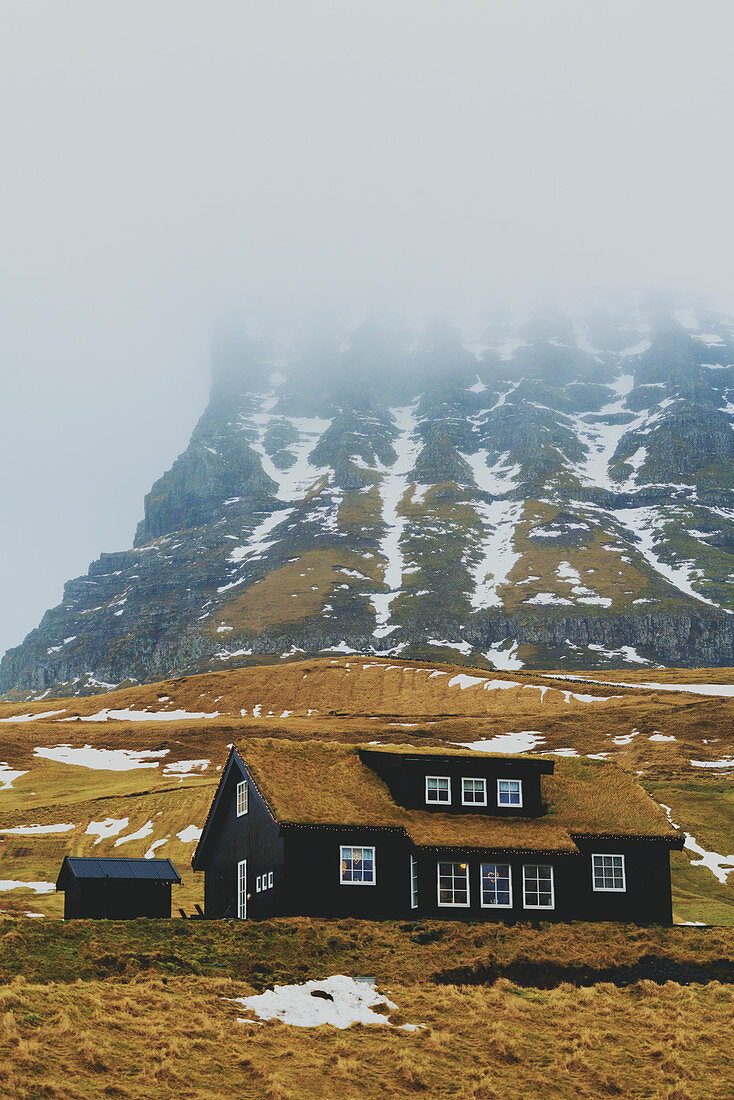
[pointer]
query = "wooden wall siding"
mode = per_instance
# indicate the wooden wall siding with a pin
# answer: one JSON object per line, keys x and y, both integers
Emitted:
{"x": 647, "y": 899}
{"x": 116, "y": 899}
{"x": 406, "y": 778}
{"x": 313, "y": 873}
{"x": 254, "y": 836}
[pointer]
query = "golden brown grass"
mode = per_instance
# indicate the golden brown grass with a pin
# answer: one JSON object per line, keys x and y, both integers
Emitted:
{"x": 292, "y": 592}
{"x": 140, "y": 1010}
{"x": 149, "y": 1039}
{"x": 318, "y": 782}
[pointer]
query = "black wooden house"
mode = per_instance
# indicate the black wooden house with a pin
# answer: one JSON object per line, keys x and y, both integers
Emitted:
{"x": 324, "y": 829}
{"x": 117, "y": 889}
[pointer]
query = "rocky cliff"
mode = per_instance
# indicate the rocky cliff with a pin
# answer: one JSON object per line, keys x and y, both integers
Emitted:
{"x": 558, "y": 493}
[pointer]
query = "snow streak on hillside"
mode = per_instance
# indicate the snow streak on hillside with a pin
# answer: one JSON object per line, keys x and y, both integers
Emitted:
{"x": 393, "y": 488}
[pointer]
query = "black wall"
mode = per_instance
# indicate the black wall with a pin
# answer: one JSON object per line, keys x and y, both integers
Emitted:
{"x": 405, "y": 775}
{"x": 313, "y": 886}
{"x": 255, "y": 837}
{"x": 647, "y": 899}
{"x": 117, "y": 899}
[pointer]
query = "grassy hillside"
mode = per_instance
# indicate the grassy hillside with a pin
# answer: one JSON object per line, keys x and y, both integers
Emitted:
{"x": 144, "y": 1010}
{"x": 173, "y": 737}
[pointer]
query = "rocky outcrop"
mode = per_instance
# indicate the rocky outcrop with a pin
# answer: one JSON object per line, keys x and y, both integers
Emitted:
{"x": 562, "y": 495}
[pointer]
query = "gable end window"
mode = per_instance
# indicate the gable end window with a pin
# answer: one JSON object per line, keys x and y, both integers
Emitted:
{"x": 258, "y": 884}
{"x": 509, "y": 792}
{"x": 608, "y": 873}
{"x": 270, "y": 880}
{"x": 453, "y": 884}
{"x": 438, "y": 789}
{"x": 496, "y": 883}
{"x": 537, "y": 886}
{"x": 242, "y": 798}
{"x": 357, "y": 866}
{"x": 413, "y": 882}
{"x": 474, "y": 792}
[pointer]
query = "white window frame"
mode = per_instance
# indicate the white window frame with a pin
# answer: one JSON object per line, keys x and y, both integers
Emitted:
{"x": 473, "y": 779}
{"x": 609, "y": 889}
{"x": 494, "y": 905}
{"x": 439, "y": 801}
{"x": 258, "y": 884}
{"x": 452, "y": 904}
{"x": 242, "y": 798}
{"x": 242, "y": 890}
{"x": 552, "y": 905}
{"x": 509, "y": 805}
{"x": 413, "y": 882}
{"x": 363, "y": 848}
{"x": 270, "y": 880}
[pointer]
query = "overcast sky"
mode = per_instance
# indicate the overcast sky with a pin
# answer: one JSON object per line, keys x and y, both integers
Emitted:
{"x": 168, "y": 164}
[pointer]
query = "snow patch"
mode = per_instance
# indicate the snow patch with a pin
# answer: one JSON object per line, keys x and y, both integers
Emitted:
{"x": 8, "y": 777}
{"x": 111, "y": 826}
{"x": 642, "y": 523}
{"x": 522, "y": 741}
{"x": 37, "y": 887}
{"x": 113, "y": 760}
{"x": 183, "y": 769}
{"x": 716, "y": 864}
{"x": 346, "y": 1002}
{"x": 32, "y": 717}
{"x": 504, "y": 657}
{"x": 497, "y": 553}
{"x": 142, "y": 832}
{"x": 393, "y": 487}
{"x": 37, "y": 830}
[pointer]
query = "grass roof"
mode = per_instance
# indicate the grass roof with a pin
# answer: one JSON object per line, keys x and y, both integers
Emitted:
{"x": 326, "y": 783}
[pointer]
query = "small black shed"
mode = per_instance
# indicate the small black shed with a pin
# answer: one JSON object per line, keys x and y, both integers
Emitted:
{"x": 117, "y": 889}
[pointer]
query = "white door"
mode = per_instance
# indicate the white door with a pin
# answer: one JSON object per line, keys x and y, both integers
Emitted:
{"x": 242, "y": 889}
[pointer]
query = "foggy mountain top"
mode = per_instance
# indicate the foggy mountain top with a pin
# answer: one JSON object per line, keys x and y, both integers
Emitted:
{"x": 168, "y": 165}
{"x": 390, "y": 352}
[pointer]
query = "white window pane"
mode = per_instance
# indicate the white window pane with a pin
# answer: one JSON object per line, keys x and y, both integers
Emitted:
{"x": 438, "y": 788}
{"x": 608, "y": 872}
{"x": 453, "y": 884}
{"x": 496, "y": 884}
{"x": 357, "y": 865}
{"x": 538, "y": 886}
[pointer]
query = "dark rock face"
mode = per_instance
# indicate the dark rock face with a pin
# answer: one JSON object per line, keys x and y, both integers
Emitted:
{"x": 561, "y": 494}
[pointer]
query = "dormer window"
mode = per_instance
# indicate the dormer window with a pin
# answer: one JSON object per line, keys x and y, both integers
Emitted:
{"x": 438, "y": 789}
{"x": 474, "y": 792}
{"x": 509, "y": 792}
{"x": 242, "y": 798}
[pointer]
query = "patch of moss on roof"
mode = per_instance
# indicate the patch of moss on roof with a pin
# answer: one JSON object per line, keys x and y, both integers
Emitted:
{"x": 595, "y": 797}
{"x": 326, "y": 783}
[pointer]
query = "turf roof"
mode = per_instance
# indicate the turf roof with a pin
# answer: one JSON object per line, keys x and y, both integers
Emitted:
{"x": 326, "y": 783}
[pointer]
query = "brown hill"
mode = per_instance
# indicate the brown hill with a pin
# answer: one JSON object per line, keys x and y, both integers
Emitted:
{"x": 134, "y": 770}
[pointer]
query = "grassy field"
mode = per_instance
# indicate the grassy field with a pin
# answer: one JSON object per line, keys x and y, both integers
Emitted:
{"x": 144, "y": 1009}
{"x": 655, "y": 735}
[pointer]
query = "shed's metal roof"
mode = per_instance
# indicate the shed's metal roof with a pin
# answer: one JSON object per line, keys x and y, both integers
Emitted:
{"x": 157, "y": 870}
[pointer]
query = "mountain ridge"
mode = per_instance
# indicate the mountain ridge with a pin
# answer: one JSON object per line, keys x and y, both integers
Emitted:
{"x": 559, "y": 494}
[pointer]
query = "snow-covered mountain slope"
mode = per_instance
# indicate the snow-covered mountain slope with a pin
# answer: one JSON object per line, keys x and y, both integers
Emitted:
{"x": 558, "y": 493}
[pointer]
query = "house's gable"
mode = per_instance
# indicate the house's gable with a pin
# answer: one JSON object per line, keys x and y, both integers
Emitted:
{"x": 234, "y": 771}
